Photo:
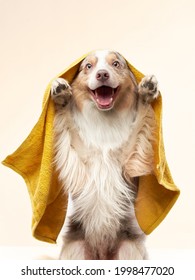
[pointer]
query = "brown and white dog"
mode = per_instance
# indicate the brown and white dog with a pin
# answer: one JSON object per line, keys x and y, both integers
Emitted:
{"x": 104, "y": 130}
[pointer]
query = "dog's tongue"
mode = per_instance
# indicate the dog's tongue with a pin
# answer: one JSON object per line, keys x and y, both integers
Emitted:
{"x": 104, "y": 95}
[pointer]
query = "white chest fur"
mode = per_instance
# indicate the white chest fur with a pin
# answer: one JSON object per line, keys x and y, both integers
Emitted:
{"x": 104, "y": 130}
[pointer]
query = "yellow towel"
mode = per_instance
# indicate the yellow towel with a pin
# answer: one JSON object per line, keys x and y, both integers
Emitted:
{"x": 33, "y": 161}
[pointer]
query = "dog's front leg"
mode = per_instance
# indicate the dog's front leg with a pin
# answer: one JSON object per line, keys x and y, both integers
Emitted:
{"x": 60, "y": 92}
{"x": 148, "y": 89}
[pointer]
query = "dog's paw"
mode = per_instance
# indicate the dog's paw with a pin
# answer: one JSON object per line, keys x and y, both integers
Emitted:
{"x": 148, "y": 89}
{"x": 61, "y": 92}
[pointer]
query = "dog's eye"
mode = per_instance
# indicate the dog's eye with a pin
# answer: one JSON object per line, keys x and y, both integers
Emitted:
{"x": 116, "y": 64}
{"x": 88, "y": 66}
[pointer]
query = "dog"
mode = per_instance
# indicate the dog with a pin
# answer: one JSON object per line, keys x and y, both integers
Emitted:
{"x": 104, "y": 130}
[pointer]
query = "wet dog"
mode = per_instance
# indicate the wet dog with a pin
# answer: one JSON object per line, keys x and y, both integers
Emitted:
{"x": 104, "y": 133}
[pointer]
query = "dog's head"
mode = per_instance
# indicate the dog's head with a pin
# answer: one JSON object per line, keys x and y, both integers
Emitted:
{"x": 105, "y": 80}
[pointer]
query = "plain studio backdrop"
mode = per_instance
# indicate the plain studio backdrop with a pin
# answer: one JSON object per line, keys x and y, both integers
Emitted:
{"x": 41, "y": 38}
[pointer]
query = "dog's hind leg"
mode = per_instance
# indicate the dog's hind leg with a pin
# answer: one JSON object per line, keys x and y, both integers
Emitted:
{"x": 73, "y": 250}
{"x": 131, "y": 250}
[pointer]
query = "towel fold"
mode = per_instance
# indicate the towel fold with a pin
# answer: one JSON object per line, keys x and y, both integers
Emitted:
{"x": 157, "y": 193}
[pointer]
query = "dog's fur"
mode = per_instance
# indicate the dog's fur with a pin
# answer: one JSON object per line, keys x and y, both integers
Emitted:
{"x": 103, "y": 143}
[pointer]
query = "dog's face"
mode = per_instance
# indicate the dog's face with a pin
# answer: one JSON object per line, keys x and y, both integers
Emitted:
{"x": 104, "y": 79}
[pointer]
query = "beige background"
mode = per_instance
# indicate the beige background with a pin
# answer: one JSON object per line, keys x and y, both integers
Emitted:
{"x": 40, "y": 38}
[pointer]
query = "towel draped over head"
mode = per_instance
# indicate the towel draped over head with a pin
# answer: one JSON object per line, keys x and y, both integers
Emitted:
{"x": 33, "y": 159}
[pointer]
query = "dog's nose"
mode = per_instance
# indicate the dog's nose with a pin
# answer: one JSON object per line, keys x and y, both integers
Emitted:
{"x": 102, "y": 75}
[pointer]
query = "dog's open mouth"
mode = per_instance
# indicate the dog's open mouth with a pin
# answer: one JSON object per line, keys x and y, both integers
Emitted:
{"x": 104, "y": 96}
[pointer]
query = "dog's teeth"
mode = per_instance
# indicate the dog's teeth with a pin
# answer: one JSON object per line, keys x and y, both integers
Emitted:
{"x": 111, "y": 99}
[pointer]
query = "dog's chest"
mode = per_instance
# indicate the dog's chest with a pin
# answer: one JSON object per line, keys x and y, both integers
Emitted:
{"x": 101, "y": 141}
{"x": 103, "y": 131}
